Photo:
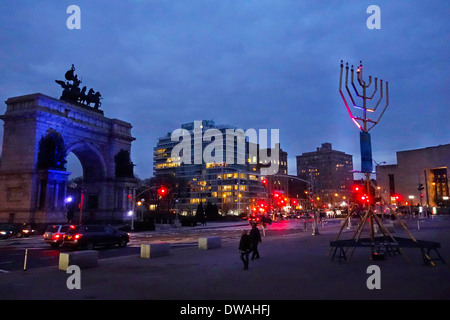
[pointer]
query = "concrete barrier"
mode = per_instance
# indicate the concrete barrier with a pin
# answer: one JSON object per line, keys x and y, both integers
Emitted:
{"x": 209, "y": 243}
{"x": 154, "y": 250}
{"x": 387, "y": 224}
{"x": 82, "y": 259}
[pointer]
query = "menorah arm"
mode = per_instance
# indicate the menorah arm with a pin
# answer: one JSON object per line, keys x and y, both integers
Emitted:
{"x": 346, "y": 85}
{"x": 348, "y": 110}
{"x": 387, "y": 103}
{"x": 370, "y": 81}
{"x": 354, "y": 88}
{"x": 376, "y": 89}
{"x": 381, "y": 97}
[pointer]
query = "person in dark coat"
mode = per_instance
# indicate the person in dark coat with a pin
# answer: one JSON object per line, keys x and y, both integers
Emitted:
{"x": 245, "y": 248}
{"x": 255, "y": 239}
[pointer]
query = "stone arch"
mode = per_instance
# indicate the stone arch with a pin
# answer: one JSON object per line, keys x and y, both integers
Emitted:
{"x": 92, "y": 161}
{"x": 39, "y": 133}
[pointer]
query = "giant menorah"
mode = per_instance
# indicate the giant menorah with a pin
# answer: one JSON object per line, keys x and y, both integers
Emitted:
{"x": 365, "y": 124}
{"x": 359, "y": 114}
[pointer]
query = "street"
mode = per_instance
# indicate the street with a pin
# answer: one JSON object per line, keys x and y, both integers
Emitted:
{"x": 40, "y": 254}
{"x": 294, "y": 264}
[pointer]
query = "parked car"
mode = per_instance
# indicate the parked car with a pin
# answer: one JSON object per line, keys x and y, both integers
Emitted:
{"x": 88, "y": 237}
{"x": 9, "y": 230}
{"x": 54, "y": 234}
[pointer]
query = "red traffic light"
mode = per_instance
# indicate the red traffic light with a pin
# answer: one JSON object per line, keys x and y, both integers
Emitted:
{"x": 162, "y": 191}
{"x": 264, "y": 182}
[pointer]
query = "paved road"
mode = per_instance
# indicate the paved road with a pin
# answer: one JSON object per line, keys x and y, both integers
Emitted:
{"x": 40, "y": 254}
{"x": 294, "y": 265}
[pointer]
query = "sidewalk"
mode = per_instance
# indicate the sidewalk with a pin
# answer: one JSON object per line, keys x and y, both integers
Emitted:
{"x": 208, "y": 225}
{"x": 292, "y": 267}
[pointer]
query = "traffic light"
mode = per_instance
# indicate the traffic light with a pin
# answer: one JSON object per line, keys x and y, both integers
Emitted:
{"x": 264, "y": 182}
{"x": 162, "y": 191}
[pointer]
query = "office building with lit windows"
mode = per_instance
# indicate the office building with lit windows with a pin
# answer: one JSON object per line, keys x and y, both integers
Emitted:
{"x": 330, "y": 172}
{"x": 420, "y": 177}
{"x": 233, "y": 185}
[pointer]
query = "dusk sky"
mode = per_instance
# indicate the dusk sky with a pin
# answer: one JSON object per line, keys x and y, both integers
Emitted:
{"x": 248, "y": 63}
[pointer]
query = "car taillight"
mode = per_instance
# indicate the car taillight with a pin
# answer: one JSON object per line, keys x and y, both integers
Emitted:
{"x": 56, "y": 236}
{"x": 77, "y": 236}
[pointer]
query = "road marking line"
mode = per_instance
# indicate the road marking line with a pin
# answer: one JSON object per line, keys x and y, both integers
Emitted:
{"x": 4, "y": 271}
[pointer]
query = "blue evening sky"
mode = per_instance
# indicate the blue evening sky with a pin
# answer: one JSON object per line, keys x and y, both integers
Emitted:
{"x": 263, "y": 64}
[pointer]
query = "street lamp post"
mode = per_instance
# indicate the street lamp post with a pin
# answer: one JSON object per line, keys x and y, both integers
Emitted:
{"x": 81, "y": 206}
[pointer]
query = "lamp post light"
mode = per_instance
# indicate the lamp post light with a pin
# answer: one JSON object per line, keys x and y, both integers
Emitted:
{"x": 410, "y": 203}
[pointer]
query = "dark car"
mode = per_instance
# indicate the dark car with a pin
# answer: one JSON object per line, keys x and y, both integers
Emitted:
{"x": 259, "y": 219}
{"x": 54, "y": 234}
{"x": 88, "y": 237}
{"x": 9, "y": 230}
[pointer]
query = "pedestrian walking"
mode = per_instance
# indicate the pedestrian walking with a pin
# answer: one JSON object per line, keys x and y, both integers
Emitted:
{"x": 255, "y": 239}
{"x": 245, "y": 248}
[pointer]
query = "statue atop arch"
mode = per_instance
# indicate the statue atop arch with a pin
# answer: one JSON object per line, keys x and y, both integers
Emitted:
{"x": 73, "y": 94}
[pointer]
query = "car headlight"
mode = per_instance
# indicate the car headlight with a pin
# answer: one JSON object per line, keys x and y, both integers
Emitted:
{"x": 2, "y": 232}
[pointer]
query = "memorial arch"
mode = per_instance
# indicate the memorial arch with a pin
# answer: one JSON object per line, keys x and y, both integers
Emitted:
{"x": 39, "y": 132}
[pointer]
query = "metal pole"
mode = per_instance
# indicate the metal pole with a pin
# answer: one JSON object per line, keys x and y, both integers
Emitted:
{"x": 132, "y": 208}
{"x": 81, "y": 207}
{"x": 25, "y": 260}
